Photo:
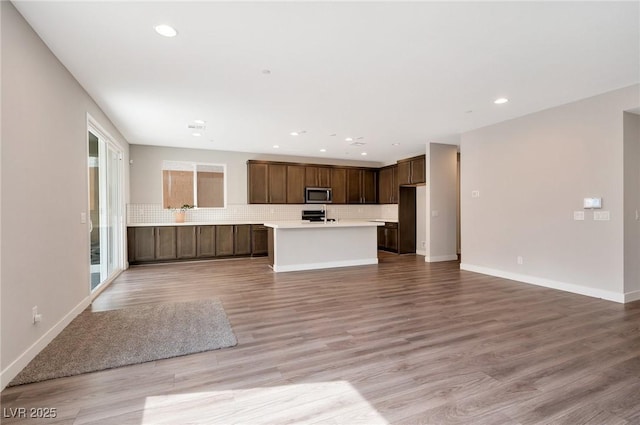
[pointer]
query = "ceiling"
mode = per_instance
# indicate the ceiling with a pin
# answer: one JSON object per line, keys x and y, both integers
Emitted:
{"x": 382, "y": 73}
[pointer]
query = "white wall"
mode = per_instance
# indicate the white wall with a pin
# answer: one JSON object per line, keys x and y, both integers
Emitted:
{"x": 532, "y": 174}
{"x": 441, "y": 202}
{"x": 45, "y": 249}
{"x": 146, "y": 166}
{"x": 631, "y": 206}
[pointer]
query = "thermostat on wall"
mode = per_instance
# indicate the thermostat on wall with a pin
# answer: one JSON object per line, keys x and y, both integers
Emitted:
{"x": 592, "y": 203}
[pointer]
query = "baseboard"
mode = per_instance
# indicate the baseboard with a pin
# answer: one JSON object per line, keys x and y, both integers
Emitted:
{"x": 437, "y": 258}
{"x": 547, "y": 283}
{"x": 23, "y": 360}
{"x": 326, "y": 265}
{"x": 631, "y": 296}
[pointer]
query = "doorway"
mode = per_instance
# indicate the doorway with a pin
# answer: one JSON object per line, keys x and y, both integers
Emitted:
{"x": 105, "y": 208}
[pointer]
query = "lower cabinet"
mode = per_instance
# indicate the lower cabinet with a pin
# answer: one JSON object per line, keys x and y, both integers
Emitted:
{"x": 206, "y": 241}
{"x": 242, "y": 239}
{"x": 186, "y": 242}
{"x": 224, "y": 241}
{"x": 174, "y": 243}
{"x": 388, "y": 237}
{"x": 259, "y": 240}
{"x": 166, "y": 247}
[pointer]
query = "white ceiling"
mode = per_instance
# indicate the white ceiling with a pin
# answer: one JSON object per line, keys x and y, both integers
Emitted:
{"x": 388, "y": 72}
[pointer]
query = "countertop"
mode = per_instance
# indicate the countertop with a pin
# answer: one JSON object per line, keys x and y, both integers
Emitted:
{"x": 345, "y": 222}
{"x": 195, "y": 223}
{"x": 303, "y": 224}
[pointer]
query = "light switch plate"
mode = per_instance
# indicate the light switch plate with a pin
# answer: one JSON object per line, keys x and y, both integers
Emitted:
{"x": 83, "y": 218}
{"x": 592, "y": 203}
{"x": 475, "y": 193}
{"x": 578, "y": 215}
{"x": 601, "y": 216}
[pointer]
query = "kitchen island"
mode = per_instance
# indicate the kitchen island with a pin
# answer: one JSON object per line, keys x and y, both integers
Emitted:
{"x": 304, "y": 245}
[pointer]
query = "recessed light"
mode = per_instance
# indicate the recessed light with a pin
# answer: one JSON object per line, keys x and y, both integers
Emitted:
{"x": 323, "y": 150}
{"x": 333, "y": 135}
{"x": 266, "y": 71}
{"x": 166, "y": 30}
{"x": 363, "y": 154}
{"x": 349, "y": 139}
{"x": 276, "y": 146}
{"x": 196, "y": 134}
{"x": 468, "y": 112}
{"x": 395, "y": 144}
{"x": 501, "y": 100}
{"x": 294, "y": 133}
{"x": 199, "y": 121}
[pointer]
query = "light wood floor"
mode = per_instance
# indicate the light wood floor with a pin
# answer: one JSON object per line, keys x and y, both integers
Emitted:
{"x": 403, "y": 342}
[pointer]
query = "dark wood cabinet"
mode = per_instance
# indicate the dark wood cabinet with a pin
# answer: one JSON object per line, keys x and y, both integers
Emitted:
{"x": 266, "y": 183}
{"x": 259, "y": 240}
{"x": 295, "y": 184}
{"x": 388, "y": 237}
{"x": 258, "y": 183}
{"x": 186, "y": 242}
{"x": 233, "y": 240}
{"x": 369, "y": 186}
{"x": 407, "y": 220}
{"x": 412, "y": 171}
{"x": 388, "y": 185}
{"x": 206, "y": 241}
{"x": 141, "y": 244}
{"x": 166, "y": 247}
{"x": 224, "y": 240}
{"x": 339, "y": 185}
{"x": 175, "y": 243}
{"x": 277, "y": 184}
{"x": 242, "y": 239}
{"x": 361, "y": 186}
{"x": 317, "y": 176}
{"x": 284, "y": 183}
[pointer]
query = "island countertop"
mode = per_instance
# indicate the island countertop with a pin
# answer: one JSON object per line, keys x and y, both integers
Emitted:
{"x": 304, "y": 224}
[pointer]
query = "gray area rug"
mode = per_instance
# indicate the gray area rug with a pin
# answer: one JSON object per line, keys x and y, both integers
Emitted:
{"x": 108, "y": 339}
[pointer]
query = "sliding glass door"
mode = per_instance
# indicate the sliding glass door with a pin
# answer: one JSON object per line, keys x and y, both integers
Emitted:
{"x": 105, "y": 208}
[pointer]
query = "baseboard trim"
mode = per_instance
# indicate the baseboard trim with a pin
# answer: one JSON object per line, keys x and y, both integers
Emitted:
{"x": 631, "y": 296}
{"x": 23, "y": 360}
{"x": 438, "y": 258}
{"x": 547, "y": 283}
{"x": 327, "y": 265}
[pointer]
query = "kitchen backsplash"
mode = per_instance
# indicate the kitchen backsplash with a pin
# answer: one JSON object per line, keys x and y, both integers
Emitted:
{"x": 154, "y": 213}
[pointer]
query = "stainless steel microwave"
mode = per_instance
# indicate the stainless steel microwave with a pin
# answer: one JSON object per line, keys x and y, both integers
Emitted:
{"x": 318, "y": 195}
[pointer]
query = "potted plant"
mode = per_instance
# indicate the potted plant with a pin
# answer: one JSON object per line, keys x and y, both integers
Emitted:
{"x": 181, "y": 213}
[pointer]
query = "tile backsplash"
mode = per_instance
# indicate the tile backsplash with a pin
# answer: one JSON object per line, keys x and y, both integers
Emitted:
{"x": 154, "y": 213}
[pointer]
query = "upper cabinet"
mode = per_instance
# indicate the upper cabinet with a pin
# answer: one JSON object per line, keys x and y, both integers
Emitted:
{"x": 339, "y": 185}
{"x": 266, "y": 183}
{"x": 317, "y": 176}
{"x": 284, "y": 183}
{"x": 388, "y": 185}
{"x": 361, "y": 186}
{"x": 295, "y": 184}
{"x": 412, "y": 171}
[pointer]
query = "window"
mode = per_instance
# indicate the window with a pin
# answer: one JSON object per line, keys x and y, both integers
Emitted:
{"x": 192, "y": 183}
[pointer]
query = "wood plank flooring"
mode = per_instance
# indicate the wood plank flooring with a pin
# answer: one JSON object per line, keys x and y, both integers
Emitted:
{"x": 401, "y": 342}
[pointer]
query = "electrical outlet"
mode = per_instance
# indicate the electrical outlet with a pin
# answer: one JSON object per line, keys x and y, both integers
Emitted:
{"x": 475, "y": 193}
{"x": 519, "y": 259}
{"x": 424, "y": 244}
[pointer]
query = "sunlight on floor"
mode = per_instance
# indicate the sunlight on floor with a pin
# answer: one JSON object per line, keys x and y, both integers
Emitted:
{"x": 335, "y": 402}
